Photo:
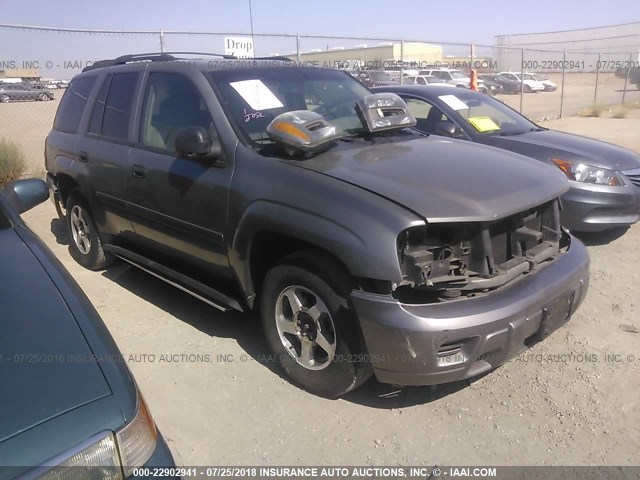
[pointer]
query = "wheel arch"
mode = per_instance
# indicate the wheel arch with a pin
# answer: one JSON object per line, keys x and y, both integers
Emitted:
{"x": 269, "y": 248}
{"x": 269, "y": 232}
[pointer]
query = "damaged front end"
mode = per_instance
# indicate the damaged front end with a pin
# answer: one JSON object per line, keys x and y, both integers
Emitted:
{"x": 442, "y": 262}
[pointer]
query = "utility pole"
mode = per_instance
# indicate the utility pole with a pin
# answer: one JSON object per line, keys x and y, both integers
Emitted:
{"x": 251, "y": 19}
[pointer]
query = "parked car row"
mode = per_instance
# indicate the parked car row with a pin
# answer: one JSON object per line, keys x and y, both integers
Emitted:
{"x": 18, "y": 92}
{"x": 489, "y": 83}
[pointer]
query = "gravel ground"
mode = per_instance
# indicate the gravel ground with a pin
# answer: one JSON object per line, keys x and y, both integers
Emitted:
{"x": 572, "y": 408}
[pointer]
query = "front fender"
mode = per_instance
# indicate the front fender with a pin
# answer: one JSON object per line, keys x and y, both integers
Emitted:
{"x": 366, "y": 246}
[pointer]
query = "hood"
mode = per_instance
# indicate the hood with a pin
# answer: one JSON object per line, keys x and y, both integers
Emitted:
{"x": 550, "y": 143}
{"x": 46, "y": 368}
{"x": 443, "y": 179}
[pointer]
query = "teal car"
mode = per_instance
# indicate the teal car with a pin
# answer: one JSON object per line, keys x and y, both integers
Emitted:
{"x": 69, "y": 406}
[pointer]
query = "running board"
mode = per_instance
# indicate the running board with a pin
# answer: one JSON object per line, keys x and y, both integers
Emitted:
{"x": 186, "y": 284}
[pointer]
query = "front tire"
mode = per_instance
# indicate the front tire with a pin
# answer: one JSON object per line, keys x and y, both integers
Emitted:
{"x": 43, "y": 97}
{"x": 5, "y": 98}
{"x": 308, "y": 325}
{"x": 85, "y": 245}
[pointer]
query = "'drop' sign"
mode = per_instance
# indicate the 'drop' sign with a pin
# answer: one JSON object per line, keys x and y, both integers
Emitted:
{"x": 241, "y": 47}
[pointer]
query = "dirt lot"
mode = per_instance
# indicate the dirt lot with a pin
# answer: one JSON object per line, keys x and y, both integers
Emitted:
{"x": 579, "y": 90}
{"x": 573, "y": 408}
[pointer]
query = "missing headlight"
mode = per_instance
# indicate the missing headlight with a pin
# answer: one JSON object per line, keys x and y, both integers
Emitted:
{"x": 448, "y": 261}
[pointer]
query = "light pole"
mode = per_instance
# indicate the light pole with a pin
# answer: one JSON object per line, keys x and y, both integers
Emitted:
{"x": 251, "y": 19}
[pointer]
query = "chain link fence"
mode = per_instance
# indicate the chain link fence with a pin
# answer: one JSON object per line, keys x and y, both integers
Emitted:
{"x": 545, "y": 84}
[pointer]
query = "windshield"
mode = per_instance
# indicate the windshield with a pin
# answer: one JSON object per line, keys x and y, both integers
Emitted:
{"x": 528, "y": 76}
{"x": 458, "y": 75}
{"x": 254, "y": 97}
{"x": 488, "y": 116}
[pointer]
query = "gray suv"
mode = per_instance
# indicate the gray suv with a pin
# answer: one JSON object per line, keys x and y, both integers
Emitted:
{"x": 366, "y": 247}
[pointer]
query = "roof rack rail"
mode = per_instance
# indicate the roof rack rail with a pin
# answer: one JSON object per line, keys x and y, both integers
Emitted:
{"x": 153, "y": 57}
{"x": 166, "y": 57}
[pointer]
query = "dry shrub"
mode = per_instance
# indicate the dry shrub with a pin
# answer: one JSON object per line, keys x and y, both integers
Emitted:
{"x": 12, "y": 164}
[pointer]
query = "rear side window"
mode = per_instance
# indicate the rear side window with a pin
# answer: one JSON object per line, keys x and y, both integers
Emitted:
{"x": 95, "y": 123}
{"x": 72, "y": 104}
{"x": 111, "y": 114}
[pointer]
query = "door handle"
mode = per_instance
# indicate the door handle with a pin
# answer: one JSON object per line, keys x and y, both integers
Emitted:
{"x": 139, "y": 171}
{"x": 83, "y": 156}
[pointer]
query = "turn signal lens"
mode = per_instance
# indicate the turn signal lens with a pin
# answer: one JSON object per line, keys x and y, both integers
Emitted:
{"x": 137, "y": 441}
{"x": 291, "y": 130}
{"x": 580, "y": 172}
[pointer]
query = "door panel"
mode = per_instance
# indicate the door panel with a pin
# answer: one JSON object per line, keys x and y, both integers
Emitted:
{"x": 106, "y": 151}
{"x": 178, "y": 206}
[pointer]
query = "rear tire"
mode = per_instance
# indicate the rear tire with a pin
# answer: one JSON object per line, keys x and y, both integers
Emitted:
{"x": 85, "y": 245}
{"x": 5, "y": 98}
{"x": 308, "y": 325}
{"x": 43, "y": 97}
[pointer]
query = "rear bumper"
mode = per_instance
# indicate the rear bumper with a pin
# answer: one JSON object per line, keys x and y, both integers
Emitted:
{"x": 450, "y": 341}
{"x": 591, "y": 208}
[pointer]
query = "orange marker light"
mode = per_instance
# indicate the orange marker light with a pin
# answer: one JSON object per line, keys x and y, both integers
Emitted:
{"x": 565, "y": 167}
{"x": 291, "y": 130}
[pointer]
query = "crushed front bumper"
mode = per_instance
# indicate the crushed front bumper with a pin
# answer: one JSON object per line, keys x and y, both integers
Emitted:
{"x": 445, "y": 342}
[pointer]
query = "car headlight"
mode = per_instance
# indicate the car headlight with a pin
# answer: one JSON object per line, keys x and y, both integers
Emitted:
{"x": 113, "y": 456}
{"x": 584, "y": 173}
{"x": 99, "y": 460}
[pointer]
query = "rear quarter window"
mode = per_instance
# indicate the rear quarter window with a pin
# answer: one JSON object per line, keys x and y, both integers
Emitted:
{"x": 72, "y": 104}
{"x": 113, "y": 107}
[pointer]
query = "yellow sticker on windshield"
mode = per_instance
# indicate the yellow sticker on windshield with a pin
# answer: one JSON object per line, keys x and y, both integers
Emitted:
{"x": 483, "y": 124}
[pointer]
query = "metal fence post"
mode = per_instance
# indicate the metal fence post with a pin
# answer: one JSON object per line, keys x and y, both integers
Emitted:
{"x": 298, "y": 48}
{"x": 521, "y": 79}
{"x": 161, "y": 41}
{"x": 472, "y": 55}
{"x": 595, "y": 92}
{"x": 564, "y": 61}
{"x": 626, "y": 79}
{"x": 401, "y": 61}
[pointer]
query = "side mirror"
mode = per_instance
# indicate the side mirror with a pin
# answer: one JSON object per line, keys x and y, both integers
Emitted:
{"x": 25, "y": 194}
{"x": 195, "y": 142}
{"x": 446, "y": 128}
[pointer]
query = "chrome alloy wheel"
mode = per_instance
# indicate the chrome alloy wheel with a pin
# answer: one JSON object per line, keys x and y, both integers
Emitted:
{"x": 80, "y": 229}
{"x": 305, "y": 327}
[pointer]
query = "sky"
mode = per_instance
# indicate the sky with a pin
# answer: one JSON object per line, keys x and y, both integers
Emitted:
{"x": 461, "y": 21}
{"x": 62, "y": 55}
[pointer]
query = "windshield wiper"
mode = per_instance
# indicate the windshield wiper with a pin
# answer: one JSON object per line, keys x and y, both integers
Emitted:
{"x": 508, "y": 134}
